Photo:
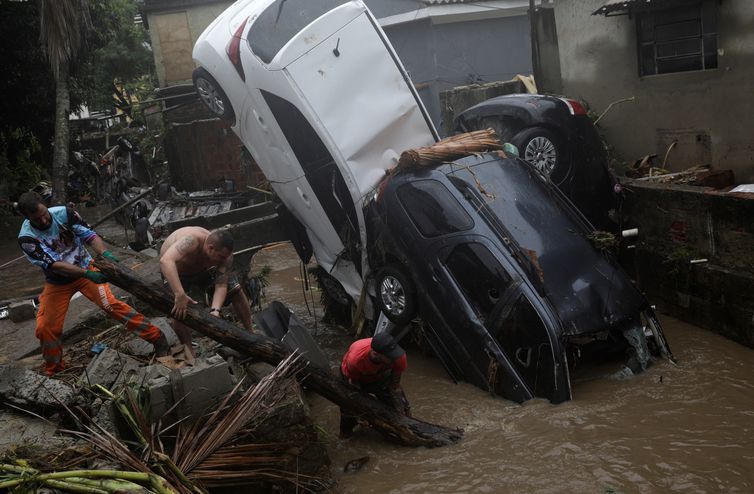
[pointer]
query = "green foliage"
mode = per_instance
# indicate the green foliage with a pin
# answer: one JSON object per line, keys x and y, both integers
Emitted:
{"x": 19, "y": 149}
{"x": 27, "y": 88}
{"x": 152, "y": 144}
{"x": 120, "y": 59}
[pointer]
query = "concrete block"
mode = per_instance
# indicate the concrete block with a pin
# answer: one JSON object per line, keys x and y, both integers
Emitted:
{"x": 32, "y": 391}
{"x": 149, "y": 252}
{"x": 19, "y": 429}
{"x": 22, "y": 311}
{"x": 141, "y": 348}
{"x": 202, "y": 385}
{"x": 107, "y": 367}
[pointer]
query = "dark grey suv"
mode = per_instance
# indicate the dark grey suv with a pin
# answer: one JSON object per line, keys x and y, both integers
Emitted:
{"x": 500, "y": 266}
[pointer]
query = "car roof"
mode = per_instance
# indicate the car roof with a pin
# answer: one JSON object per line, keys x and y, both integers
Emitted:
{"x": 527, "y": 102}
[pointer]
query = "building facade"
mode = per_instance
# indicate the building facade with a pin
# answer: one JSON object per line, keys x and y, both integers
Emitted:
{"x": 688, "y": 64}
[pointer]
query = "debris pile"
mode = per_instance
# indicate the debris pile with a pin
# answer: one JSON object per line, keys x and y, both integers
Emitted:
{"x": 700, "y": 175}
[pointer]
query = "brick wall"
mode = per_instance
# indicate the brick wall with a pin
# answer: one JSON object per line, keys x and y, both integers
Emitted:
{"x": 681, "y": 224}
{"x": 203, "y": 152}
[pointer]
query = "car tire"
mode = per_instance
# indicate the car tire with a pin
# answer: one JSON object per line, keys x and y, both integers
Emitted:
{"x": 542, "y": 148}
{"x": 212, "y": 95}
{"x": 334, "y": 289}
{"x": 396, "y": 295}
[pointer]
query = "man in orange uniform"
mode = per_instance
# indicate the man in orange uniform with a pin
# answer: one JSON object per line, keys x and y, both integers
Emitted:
{"x": 375, "y": 366}
{"x": 54, "y": 240}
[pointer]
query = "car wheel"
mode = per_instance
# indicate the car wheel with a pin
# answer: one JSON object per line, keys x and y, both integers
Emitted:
{"x": 212, "y": 95}
{"x": 396, "y": 296}
{"x": 541, "y": 148}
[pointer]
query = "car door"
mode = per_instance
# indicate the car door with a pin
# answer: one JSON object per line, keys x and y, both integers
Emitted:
{"x": 479, "y": 284}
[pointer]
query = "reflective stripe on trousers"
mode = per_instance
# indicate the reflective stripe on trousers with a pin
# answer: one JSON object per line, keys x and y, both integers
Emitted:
{"x": 53, "y": 306}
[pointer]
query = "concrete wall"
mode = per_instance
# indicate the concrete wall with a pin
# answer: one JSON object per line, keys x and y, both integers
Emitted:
{"x": 680, "y": 224}
{"x": 441, "y": 56}
{"x": 548, "y": 79}
{"x": 384, "y": 8}
{"x": 173, "y": 34}
{"x": 711, "y": 112}
{"x": 203, "y": 152}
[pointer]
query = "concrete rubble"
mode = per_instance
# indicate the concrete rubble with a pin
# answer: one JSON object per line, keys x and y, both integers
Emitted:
{"x": 31, "y": 391}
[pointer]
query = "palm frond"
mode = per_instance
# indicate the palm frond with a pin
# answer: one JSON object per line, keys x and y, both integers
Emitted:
{"x": 62, "y": 27}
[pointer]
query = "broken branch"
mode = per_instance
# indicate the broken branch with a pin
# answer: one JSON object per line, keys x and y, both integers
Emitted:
{"x": 405, "y": 430}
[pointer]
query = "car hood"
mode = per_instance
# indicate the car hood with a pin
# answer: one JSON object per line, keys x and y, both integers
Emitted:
{"x": 585, "y": 285}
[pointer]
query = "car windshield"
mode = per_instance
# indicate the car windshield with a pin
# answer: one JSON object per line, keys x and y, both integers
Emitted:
{"x": 433, "y": 209}
{"x": 281, "y": 21}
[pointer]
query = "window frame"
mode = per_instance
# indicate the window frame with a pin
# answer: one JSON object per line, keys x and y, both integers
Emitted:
{"x": 709, "y": 32}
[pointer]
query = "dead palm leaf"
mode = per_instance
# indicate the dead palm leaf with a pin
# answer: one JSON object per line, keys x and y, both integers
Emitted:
{"x": 196, "y": 444}
{"x": 451, "y": 148}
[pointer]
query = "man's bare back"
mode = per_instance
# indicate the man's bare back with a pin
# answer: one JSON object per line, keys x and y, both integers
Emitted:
{"x": 189, "y": 241}
{"x": 193, "y": 250}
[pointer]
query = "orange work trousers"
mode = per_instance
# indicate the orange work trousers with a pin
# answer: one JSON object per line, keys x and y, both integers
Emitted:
{"x": 53, "y": 305}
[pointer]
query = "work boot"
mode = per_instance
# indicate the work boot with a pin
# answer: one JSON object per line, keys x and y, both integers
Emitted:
{"x": 161, "y": 346}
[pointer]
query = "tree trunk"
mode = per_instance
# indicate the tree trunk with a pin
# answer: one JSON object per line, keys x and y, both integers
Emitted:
{"x": 60, "y": 152}
{"x": 405, "y": 430}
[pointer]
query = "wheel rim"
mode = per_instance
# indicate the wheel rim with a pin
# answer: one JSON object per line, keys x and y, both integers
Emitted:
{"x": 210, "y": 96}
{"x": 393, "y": 295}
{"x": 541, "y": 153}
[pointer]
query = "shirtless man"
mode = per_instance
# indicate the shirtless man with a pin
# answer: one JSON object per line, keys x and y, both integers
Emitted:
{"x": 194, "y": 257}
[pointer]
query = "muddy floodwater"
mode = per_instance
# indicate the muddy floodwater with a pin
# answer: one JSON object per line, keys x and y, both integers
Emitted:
{"x": 685, "y": 428}
{"x": 688, "y": 428}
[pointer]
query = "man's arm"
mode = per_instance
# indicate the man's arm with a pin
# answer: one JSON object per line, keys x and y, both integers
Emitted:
{"x": 97, "y": 245}
{"x": 400, "y": 402}
{"x": 181, "y": 249}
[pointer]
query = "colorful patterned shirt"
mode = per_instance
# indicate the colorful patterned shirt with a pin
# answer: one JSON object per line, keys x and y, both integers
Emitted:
{"x": 62, "y": 241}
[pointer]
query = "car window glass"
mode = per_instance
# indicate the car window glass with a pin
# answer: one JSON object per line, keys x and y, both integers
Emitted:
{"x": 281, "y": 21}
{"x": 433, "y": 209}
{"x": 479, "y": 275}
{"x": 523, "y": 337}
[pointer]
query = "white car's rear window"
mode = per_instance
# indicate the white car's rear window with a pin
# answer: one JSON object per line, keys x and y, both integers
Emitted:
{"x": 281, "y": 21}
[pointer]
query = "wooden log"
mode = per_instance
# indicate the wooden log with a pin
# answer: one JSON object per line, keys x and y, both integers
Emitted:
{"x": 405, "y": 430}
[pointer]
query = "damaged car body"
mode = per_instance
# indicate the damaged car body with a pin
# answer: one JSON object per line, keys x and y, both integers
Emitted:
{"x": 292, "y": 76}
{"x": 500, "y": 267}
{"x": 487, "y": 250}
{"x": 555, "y": 135}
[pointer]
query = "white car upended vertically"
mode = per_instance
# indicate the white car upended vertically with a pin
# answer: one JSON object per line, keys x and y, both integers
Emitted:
{"x": 319, "y": 97}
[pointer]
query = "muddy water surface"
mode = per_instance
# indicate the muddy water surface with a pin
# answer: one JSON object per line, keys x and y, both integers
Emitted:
{"x": 684, "y": 428}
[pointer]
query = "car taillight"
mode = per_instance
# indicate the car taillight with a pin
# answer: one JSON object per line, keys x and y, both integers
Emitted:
{"x": 575, "y": 107}
{"x": 234, "y": 50}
